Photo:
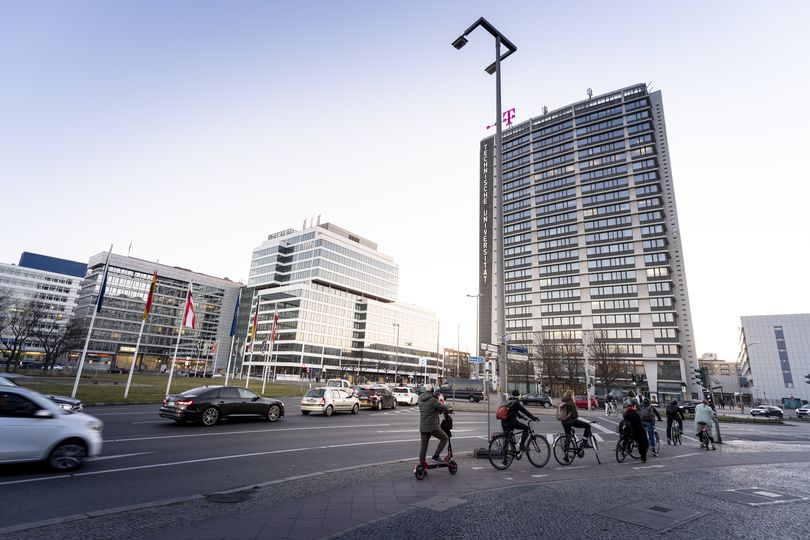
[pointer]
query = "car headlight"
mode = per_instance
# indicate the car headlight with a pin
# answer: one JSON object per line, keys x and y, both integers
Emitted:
{"x": 95, "y": 425}
{"x": 65, "y": 406}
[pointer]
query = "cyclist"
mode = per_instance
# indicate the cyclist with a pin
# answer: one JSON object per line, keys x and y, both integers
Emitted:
{"x": 648, "y": 414}
{"x": 631, "y": 398}
{"x": 637, "y": 432}
{"x": 610, "y": 403}
{"x": 674, "y": 414}
{"x": 704, "y": 415}
{"x": 513, "y": 422}
{"x": 569, "y": 417}
{"x": 429, "y": 409}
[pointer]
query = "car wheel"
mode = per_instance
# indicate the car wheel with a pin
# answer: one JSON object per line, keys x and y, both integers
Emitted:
{"x": 328, "y": 410}
{"x": 305, "y": 413}
{"x": 379, "y": 405}
{"x": 273, "y": 413}
{"x": 356, "y": 409}
{"x": 472, "y": 399}
{"x": 67, "y": 456}
{"x": 210, "y": 416}
{"x": 546, "y": 405}
{"x": 394, "y": 406}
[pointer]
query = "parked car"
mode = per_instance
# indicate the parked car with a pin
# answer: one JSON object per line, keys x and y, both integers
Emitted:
{"x": 329, "y": 400}
{"x": 582, "y": 402}
{"x": 116, "y": 369}
{"x": 65, "y": 402}
{"x": 34, "y": 429}
{"x": 210, "y": 404}
{"x": 688, "y": 406}
{"x": 536, "y": 399}
{"x": 804, "y": 410}
{"x": 376, "y": 397}
{"x": 405, "y": 395}
{"x": 767, "y": 410}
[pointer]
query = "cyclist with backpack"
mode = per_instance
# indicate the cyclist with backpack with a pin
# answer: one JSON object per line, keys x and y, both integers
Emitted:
{"x": 509, "y": 417}
{"x": 674, "y": 414}
{"x": 648, "y": 414}
{"x": 568, "y": 415}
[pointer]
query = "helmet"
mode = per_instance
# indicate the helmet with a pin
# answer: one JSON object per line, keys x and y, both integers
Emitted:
{"x": 429, "y": 387}
{"x": 516, "y": 392}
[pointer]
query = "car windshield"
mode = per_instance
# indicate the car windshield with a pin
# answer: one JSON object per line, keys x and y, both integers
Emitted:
{"x": 367, "y": 391}
{"x": 401, "y": 390}
{"x": 315, "y": 392}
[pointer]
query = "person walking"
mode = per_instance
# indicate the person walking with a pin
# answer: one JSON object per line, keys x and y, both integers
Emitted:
{"x": 648, "y": 413}
{"x": 429, "y": 426}
{"x": 637, "y": 432}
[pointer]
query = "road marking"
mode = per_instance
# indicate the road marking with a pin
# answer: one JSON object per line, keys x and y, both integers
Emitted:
{"x": 570, "y": 467}
{"x": 411, "y": 431}
{"x": 648, "y": 467}
{"x": 215, "y": 433}
{"x": 103, "y": 458}
{"x": 149, "y": 422}
{"x": 539, "y": 475}
{"x": 34, "y": 480}
{"x": 602, "y": 429}
{"x": 687, "y": 455}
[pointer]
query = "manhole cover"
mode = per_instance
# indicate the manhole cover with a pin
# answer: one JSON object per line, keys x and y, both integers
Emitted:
{"x": 650, "y": 515}
{"x": 440, "y": 503}
{"x": 238, "y": 496}
{"x": 756, "y": 496}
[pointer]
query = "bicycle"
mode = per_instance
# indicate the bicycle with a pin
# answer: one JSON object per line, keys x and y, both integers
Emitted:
{"x": 657, "y": 446}
{"x": 611, "y": 410}
{"x": 626, "y": 447}
{"x": 568, "y": 446}
{"x": 503, "y": 449}
{"x": 703, "y": 435}
{"x": 676, "y": 434}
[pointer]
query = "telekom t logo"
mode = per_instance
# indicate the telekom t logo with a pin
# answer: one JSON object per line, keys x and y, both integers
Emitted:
{"x": 508, "y": 116}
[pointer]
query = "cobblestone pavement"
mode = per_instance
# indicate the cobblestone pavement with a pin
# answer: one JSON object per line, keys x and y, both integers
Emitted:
{"x": 683, "y": 496}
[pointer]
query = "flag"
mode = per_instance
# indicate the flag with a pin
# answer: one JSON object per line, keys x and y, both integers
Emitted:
{"x": 103, "y": 289}
{"x": 255, "y": 324}
{"x": 233, "y": 321}
{"x": 189, "y": 317}
{"x": 275, "y": 325}
{"x": 151, "y": 296}
{"x": 215, "y": 348}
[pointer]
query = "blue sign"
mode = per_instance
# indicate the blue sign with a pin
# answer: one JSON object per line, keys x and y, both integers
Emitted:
{"x": 476, "y": 359}
{"x": 517, "y": 349}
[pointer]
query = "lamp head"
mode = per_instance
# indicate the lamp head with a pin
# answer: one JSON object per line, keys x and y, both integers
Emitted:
{"x": 460, "y": 42}
{"x": 490, "y": 68}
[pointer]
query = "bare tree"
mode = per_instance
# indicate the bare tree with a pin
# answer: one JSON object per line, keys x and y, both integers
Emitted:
{"x": 57, "y": 338}
{"x": 561, "y": 362}
{"x": 607, "y": 358}
{"x": 23, "y": 317}
{"x": 573, "y": 366}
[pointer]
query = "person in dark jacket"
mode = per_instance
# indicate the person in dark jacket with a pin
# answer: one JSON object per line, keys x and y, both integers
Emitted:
{"x": 648, "y": 414}
{"x": 637, "y": 431}
{"x": 429, "y": 426}
{"x": 513, "y": 421}
{"x": 569, "y": 408}
{"x": 674, "y": 414}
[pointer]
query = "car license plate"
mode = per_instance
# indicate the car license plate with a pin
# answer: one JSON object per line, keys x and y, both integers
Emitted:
{"x": 170, "y": 403}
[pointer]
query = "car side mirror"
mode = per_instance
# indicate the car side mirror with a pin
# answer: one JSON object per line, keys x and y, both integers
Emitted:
{"x": 257, "y": 398}
{"x": 43, "y": 413}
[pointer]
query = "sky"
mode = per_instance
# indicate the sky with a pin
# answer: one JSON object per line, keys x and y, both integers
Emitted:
{"x": 193, "y": 129}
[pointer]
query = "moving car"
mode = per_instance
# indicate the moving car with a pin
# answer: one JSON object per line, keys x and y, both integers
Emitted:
{"x": 116, "y": 369}
{"x": 65, "y": 402}
{"x": 688, "y": 406}
{"x": 463, "y": 392}
{"x": 405, "y": 395}
{"x": 803, "y": 411}
{"x": 34, "y": 429}
{"x": 329, "y": 400}
{"x": 376, "y": 397}
{"x": 210, "y": 404}
{"x": 767, "y": 410}
{"x": 582, "y": 402}
{"x": 536, "y": 399}
{"x": 338, "y": 383}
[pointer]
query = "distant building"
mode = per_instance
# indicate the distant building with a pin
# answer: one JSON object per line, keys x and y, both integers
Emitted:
{"x": 338, "y": 314}
{"x": 724, "y": 378}
{"x": 48, "y": 281}
{"x": 116, "y": 328}
{"x": 591, "y": 238}
{"x": 775, "y": 357}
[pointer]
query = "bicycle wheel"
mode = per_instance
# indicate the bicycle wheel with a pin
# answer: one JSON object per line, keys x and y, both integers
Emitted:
{"x": 538, "y": 450}
{"x": 632, "y": 449}
{"x": 676, "y": 435}
{"x": 621, "y": 449}
{"x": 501, "y": 451}
{"x": 564, "y": 450}
{"x": 595, "y": 448}
{"x": 657, "y": 442}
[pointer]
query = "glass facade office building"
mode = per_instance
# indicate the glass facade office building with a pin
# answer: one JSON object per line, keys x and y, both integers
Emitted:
{"x": 335, "y": 295}
{"x": 591, "y": 238}
{"x": 116, "y": 328}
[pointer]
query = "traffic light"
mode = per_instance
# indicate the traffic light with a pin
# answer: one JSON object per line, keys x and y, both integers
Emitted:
{"x": 635, "y": 380}
{"x": 701, "y": 375}
{"x": 808, "y": 378}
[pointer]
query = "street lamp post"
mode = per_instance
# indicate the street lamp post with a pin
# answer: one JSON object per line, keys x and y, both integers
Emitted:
{"x": 495, "y": 68}
{"x": 396, "y": 364}
{"x": 477, "y": 321}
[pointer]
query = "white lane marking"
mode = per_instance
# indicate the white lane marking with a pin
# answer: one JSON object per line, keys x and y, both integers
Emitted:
{"x": 570, "y": 467}
{"x": 602, "y": 429}
{"x": 611, "y": 421}
{"x": 688, "y": 438}
{"x": 104, "y": 458}
{"x": 215, "y": 433}
{"x": 648, "y": 467}
{"x": 687, "y": 455}
{"x": 598, "y": 437}
{"x": 476, "y": 468}
{"x": 120, "y": 413}
{"x": 34, "y": 480}
{"x": 539, "y": 475}
{"x": 150, "y": 422}
{"x": 550, "y": 438}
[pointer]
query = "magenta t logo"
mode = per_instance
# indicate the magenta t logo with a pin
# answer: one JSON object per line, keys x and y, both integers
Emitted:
{"x": 508, "y": 116}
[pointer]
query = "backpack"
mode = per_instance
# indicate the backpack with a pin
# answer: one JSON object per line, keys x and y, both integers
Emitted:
{"x": 672, "y": 409}
{"x": 624, "y": 429}
{"x": 502, "y": 413}
{"x": 646, "y": 413}
{"x": 562, "y": 414}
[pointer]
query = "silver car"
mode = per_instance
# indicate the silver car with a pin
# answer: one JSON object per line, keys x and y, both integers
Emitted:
{"x": 327, "y": 401}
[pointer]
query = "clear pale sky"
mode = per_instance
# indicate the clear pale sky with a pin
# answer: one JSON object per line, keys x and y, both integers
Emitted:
{"x": 194, "y": 129}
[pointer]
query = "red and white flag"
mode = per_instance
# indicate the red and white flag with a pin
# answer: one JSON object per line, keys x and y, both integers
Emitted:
{"x": 275, "y": 325}
{"x": 189, "y": 317}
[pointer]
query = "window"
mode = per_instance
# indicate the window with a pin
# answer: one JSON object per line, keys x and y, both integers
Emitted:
{"x": 556, "y": 218}
{"x": 605, "y": 197}
{"x": 15, "y": 405}
{"x": 618, "y": 221}
{"x": 659, "y": 288}
{"x": 607, "y": 184}
{"x": 559, "y": 268}
{"x": 626, "y": 275}
{"x": 608, "y": 236}
{"x": 568, "y": 307}
{"x": 611, "y": 262}
{"x": 607, "y": 249}
{"x": 558, "y": 243}
{"x": 559, "y": 294}
{"x": 554, "y": 184}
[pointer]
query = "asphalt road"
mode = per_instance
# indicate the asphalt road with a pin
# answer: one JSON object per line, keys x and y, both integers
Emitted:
{"x": 147, "y": 459}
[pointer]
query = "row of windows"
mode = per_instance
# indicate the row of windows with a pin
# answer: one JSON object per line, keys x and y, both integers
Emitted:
{"x": 515, "y": 184}
{"x": 622, "y": 181}
{"x": 617, "y": 221}
{"x": 608, "y": 236}
{"x": 551, "y": 173}
{"x": 547, "y": 322}
{"x": 601, "y": 173}
{"x": 642, "y": 139}
{"x": 603, "y": 149}
{"x": 600, "y": 138}
{"x": 605, "y": 197}
{"x": 609, "y": 305}
{"x": 609, "y": 249}
{"x": 559, "y": 281}
{"x": 619, "y": 319}
{"x": 556, "y": 207}
{"x": 559, "y": 149}
{"x": 604, "y": 113}
{"x": 556, "y": 218}
{"x": 559, "y": 268}
{"x": 518, "y": 286}
{"x": 519, "y": 172}
{"x": 627, "y": 275}
{"x": 554, "y": 140}
{"x": 559, "y": 294}
{"x": 554, "y": 184}
{"x": 611, "y": 262}
{"x": 520, "y": 261}
{"x": 518, "y": 250}
{"x": 559, "y": 242}
{"x": 559, "y": 255}
{"x": 558, "y": 160}
{"x": 567, "y": 307}
{"x": 605, "y": 210}
{"x": 614, "y": 290}
{"x": 600, "y": 126}
{"x": 554, "y": 195}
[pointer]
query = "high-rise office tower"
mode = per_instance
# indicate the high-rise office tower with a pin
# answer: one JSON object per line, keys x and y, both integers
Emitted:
{"x": 591, "y": 243}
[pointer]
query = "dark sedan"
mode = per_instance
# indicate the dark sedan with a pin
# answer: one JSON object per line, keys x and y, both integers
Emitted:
{"x": 210, "y": 404}
{"x": 536, "y": 399}
{"x": 688, "y": 406}
{"x": 376, "y": 397}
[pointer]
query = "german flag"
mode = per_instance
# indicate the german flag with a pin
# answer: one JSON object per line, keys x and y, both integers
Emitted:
{"x": 151, "y": 296}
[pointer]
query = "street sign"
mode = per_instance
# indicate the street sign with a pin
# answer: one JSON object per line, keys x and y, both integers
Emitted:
{"x": 489, "y": 347}
{"x": 422, "y": 361}
{"x": 476, "y": 359}
{"x": 516, "y": 356}
{"x": 517, "y": 349}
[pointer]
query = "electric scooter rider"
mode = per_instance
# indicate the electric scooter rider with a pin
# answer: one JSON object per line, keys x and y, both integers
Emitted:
{"x": 429, "y": 409}
{"x": 513, "y": 422}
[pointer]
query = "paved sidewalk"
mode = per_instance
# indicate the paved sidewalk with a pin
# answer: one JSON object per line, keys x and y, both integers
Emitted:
{"x": 685, "y": 492}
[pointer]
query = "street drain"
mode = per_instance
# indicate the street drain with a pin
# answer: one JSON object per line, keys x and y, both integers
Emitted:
{"x": 236, "y": 497}
{"x": 650, "y": 515}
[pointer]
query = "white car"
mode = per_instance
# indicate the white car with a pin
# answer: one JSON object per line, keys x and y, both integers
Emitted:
{"x": 803, "y": 411}
{"x": 35, "y": 428}
{"x": 405, "y": 395}
{"x": 329, "y": 400}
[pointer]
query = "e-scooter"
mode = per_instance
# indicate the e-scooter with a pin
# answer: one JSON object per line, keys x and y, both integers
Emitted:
{"x": 421, "y": 469}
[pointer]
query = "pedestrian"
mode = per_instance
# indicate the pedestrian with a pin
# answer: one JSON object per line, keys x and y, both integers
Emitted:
{"x": 429, "y": 426}
{"x": 637, "y": 432}
{"x": 722, "y": 404}
{"x": 648, "y": 414}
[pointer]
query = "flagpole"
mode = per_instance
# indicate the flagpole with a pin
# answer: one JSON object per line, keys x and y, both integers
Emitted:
{"x": 92, "y": 324}
{"x": 252, "y": 339}
{"x": 140, "y": 335}
{"x": 230, "y": 355}
{"x": 177, "y": 344}
{"x": 264, "y": 375}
